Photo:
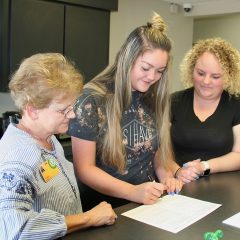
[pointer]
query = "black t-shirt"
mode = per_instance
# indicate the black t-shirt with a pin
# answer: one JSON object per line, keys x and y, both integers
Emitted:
{"x": 138, "y": 131}
{"x": 193, "y": 139}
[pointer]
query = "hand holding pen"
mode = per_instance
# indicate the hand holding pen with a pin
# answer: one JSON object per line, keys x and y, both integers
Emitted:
{"x": 173, "y": 185}
{"x": 147, "y": 193}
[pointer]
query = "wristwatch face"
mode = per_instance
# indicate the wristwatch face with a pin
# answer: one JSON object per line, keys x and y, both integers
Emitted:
{"x": 206, "y": 172}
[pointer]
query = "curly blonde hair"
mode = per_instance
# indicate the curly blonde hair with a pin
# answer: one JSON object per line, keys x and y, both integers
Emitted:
{"x": 227, "y": 55}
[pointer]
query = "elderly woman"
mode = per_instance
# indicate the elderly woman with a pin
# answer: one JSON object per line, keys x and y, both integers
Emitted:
{"x": 39, "y": 197}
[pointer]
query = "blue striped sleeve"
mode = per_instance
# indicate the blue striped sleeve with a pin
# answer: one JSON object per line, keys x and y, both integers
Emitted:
{"x": 18, "y": 220}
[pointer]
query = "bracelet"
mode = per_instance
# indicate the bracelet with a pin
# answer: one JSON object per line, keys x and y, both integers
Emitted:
{"x": 175, "y": 174}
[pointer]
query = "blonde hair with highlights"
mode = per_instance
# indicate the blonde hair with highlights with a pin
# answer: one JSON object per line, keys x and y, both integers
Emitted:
{"x": 148, "y": 37}
{"x": 42, "y": 77}
{"x": 227, "y": 55}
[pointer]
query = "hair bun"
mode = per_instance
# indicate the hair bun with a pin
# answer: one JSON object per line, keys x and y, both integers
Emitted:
{"x": 158, "y": 23}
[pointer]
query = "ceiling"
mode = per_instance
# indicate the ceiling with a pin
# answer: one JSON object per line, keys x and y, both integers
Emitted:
{"x": 189, "y": 1}
{"x": 207, "y": 7}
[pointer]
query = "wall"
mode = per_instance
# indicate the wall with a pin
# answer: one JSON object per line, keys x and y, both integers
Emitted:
{"x": 64, "y": 28}
{"x": 6, "y": 103}
{"x": 182, "y": 30}
{"x": 134, "y": 13}
{"x": 221, "y": 26}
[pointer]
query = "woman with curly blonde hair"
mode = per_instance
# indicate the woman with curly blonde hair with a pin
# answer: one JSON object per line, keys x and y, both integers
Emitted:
{"x": 121, "y": 135}
{"x": 206, "y": 116}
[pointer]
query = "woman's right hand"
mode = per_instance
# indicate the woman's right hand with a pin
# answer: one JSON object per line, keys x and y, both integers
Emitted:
{"x": 147, "y": 193}
{"x": 102, "y": 214}
{"x": 189, "y": 172}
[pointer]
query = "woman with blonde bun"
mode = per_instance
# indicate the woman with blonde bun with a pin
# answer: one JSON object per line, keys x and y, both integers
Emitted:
{"x": 122, "y": 123}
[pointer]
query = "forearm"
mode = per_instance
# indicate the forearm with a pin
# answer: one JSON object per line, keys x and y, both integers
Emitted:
{"x": 228, "y": 162}
{"x": 166, "y": 176}
{"x": 104, "y": 183}
{"x": 225, "y": 163}
{"x": 77, "y": 222}
{"x": 166, "y": 172}
{"x": 99, "y": 215}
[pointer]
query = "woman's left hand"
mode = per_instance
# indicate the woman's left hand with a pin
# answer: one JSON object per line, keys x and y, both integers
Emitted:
{"x": 173, "y": 185}
{"x": 197, "y": 164}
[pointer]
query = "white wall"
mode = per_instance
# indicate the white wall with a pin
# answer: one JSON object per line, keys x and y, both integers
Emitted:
{"x": 183, "y": 30}
{"x": 6, "y": 103}
{"x": 221, "y": 26}
{"x": 206, "y": 8}
{"x": 133, "y": 13}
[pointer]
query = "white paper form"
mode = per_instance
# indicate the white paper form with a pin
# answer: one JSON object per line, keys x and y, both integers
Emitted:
{"x": 172, "y": 213}
{"x": 233, "y": 221}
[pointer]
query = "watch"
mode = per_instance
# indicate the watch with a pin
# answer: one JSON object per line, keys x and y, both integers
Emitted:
{"x": 206, "y": 168}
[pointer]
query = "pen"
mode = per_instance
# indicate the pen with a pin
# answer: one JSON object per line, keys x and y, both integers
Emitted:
{"x": 151, "y": 179}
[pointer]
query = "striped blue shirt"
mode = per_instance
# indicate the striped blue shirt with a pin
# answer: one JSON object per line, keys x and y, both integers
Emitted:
{"x": 31, "y": 208}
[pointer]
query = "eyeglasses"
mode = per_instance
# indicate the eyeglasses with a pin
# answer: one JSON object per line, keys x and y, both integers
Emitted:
{"x": 67, "y": 111}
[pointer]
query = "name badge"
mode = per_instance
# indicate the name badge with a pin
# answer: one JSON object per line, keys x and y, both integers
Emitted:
{"x": 48, "y": 170}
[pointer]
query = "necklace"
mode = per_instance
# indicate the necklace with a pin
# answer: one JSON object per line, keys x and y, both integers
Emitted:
{"x": 46, "y": 143}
